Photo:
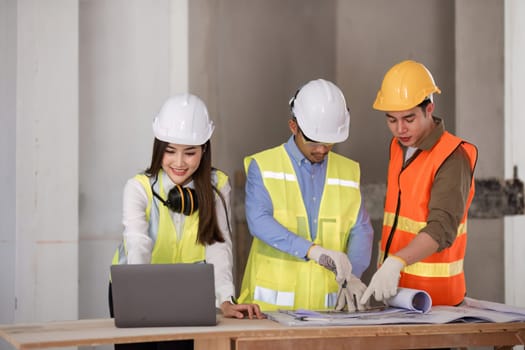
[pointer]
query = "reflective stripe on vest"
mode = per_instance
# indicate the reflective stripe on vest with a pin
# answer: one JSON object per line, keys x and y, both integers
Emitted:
{"x": 286, "y": 299}
{"x": 433, "y": 269}
{"x": 412, "y": 226}
{"x": 274, "y": 279}
{"x": 441, "y": 274}
{"x": 275, "y": 297}
{"x": 343, "y": 183}
{"x": 278, "y": 176}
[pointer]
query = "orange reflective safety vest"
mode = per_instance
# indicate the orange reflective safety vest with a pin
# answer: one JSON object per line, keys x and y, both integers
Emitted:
{"x": 406, "y": 211}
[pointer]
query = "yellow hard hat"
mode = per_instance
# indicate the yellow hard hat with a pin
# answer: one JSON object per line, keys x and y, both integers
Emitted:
{"x": 405, "y": 86}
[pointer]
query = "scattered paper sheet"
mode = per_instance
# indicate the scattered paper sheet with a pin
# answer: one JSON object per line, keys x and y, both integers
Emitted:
{"x": 489, "y": 305}
{"x": 408, "y": 307}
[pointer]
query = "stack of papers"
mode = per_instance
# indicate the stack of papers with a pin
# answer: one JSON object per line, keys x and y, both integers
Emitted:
{"x": 409, "y": 306}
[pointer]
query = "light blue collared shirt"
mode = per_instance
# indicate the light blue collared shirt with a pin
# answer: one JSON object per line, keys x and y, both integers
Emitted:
{"x": 311, "y": 178}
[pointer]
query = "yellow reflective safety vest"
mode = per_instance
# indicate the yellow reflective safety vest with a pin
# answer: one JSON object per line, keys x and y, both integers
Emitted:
{"x": 406, "y": 211}
{"x": 277, "y": 280}
{"x": 167, "y": 248}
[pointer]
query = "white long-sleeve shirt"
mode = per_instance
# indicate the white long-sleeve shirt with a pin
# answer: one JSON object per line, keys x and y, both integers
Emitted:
{"x": 139, "y": 245}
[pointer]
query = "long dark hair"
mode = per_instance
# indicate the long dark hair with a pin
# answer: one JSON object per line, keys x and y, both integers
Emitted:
{"x": 208, "y": 232}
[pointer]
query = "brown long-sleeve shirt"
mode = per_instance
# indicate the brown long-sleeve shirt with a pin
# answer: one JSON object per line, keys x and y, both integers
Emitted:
{"x": 450, "y": 190}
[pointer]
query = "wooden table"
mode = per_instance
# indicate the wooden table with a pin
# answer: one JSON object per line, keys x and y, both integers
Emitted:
{"x": 235, "y": 334}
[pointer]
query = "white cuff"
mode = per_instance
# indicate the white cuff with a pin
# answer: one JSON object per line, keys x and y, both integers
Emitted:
{"x": 139, "y": 248}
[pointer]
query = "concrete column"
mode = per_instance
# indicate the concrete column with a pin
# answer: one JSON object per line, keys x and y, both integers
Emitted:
{"x": 480, "y": 120}
{"x": 179, "y": 46}
{"x": 7, "y": 158}
{"x": 46, "y": 161}
{"x": 126, "y": 62}
{"x": 514, "y": 146}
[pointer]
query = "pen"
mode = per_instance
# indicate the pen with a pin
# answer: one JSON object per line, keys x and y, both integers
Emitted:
{"x": 343, "y": 285}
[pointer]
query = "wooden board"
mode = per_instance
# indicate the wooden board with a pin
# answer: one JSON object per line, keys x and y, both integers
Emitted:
{"x": 259, "y": 334}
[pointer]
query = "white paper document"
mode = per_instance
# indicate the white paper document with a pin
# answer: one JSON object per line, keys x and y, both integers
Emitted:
{"x": 411, "y": 299}
{"x": 408, "y": 306}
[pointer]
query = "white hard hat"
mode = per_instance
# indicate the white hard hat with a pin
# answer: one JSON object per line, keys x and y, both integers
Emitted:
{"x": 321, "y": 112}
{"x": 183, "y": 119}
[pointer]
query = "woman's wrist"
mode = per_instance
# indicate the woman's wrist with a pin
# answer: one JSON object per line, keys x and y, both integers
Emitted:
{"x": 231, "y": 300}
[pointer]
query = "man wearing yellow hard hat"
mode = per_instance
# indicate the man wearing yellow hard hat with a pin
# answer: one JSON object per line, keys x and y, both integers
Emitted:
{"x": 430, "y": 187}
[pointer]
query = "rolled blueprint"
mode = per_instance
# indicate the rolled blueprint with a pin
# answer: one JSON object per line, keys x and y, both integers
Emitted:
{"x": 411, "y": 299}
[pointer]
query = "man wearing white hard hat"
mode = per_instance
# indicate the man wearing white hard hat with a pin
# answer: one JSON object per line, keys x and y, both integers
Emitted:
{"x": 312, "y": 234}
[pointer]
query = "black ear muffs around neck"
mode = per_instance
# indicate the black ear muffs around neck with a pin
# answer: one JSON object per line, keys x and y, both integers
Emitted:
{"x": 182, "y": 200}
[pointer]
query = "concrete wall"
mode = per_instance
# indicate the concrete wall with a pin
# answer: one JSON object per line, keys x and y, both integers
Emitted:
{"x": 371, "y": 37}
{"x": 247, "y": 58}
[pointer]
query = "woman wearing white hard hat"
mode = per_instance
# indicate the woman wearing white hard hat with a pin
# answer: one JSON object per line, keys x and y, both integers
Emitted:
{"x": 178, "y": 210}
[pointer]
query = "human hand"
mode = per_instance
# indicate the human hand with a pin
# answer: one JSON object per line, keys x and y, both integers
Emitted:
{"x": 384, "y": 282}
{"x": 241, "y": 310}
{"x": 332, "y": 260}
{"x": 349, "y": 294}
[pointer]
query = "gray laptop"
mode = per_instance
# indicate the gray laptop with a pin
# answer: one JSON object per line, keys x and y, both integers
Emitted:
{"x": 158, "y": 295}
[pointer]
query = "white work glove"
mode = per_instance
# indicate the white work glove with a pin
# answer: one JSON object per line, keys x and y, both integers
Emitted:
{"x": 350, "y": 294}
{"x": 335, "y": 261}
{"x": 384, "y": 282}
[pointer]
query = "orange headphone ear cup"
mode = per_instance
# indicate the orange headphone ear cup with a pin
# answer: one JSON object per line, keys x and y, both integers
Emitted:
{"x": 190, "y": 201}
